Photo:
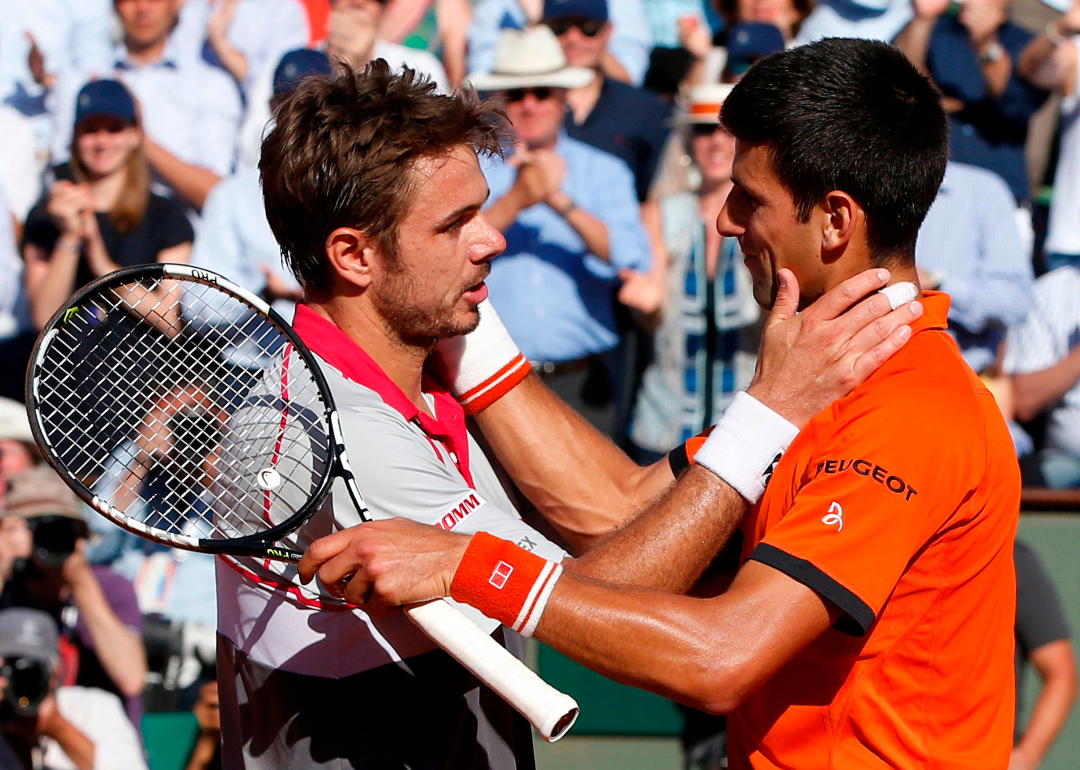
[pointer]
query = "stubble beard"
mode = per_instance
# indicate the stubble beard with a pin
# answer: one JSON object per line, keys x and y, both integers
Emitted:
{"x": 415, "y": 325}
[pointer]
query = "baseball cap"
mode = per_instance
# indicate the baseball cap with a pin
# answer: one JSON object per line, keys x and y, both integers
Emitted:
{"x": 594, "y": 10}
{"x": 27, "y": 633}
{"x": 530, "y": 58}
{"x": 14, "y": 425}
{"x": 40, "y": 491}
{"x": 749, "y": 41}
{"x": 104, "y": 97}
{"x": 297, "y": 65}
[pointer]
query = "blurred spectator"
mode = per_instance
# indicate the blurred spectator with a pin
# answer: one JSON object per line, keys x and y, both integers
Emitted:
{"x": 100, "y": 214}
{"x": 785, "y": 15}
{"x": 67, "y": 727}
{"x": 571, "y": 223}
{"x": 354, "y": 39}
{"x": 244, "y": 37}
{"x": 318, "y": 16}
{"x": 1042, "y": 355}
{"x": 1051, "y": 62}
{"x": 627, "y": 56}
{"x": 747, "y": 42}
{"x": 1042, "y": 639}
{"x": 451, "y": 36}
{"x": 972, "y": 54}
{"x": 17, "y": 332}
{"x": 865, "y": 19}
{"x": 608, "y": 114}
{"x": 20, "y": 169}
{"x": 190, "y": 111}
{"x": 234, "y": 237}
{"x": 18, "y": 452}
{"x": 970, "y": 248}
{"x": 698, "y": 297}
{"x": 207, "y": 752}
{"x": 45, "y": 44}
{"x": 96, "y": 609}
{"x": 670, "y": 22}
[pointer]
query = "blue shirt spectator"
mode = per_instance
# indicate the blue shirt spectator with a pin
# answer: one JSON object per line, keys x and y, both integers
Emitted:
{"x": 260, "y": 31}
{"x": 970, "y": 247}
{"x": 556, "y": 299}
{"x": 630, "y": 41}
{"x": 987, "y": 131}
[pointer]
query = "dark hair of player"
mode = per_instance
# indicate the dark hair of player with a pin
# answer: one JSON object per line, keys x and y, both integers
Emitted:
{"x": 850, "y": 115}
{"x": 342, "y": 152}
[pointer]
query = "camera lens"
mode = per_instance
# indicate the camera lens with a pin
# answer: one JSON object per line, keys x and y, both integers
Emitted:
{"x": 55, "y": 538}
{"x": 28, "y": 685}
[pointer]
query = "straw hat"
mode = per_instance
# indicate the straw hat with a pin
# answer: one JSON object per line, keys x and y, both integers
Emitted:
{"x": 531, "y": 58}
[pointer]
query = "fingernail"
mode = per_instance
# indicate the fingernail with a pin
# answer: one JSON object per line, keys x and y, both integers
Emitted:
{"x": 783, "y": 281}
{"x": 916, "y": 308}
{"x": 883, "y": 274}
{"x": 905, "y": 331}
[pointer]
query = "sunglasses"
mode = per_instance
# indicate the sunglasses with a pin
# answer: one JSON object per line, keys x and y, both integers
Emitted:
{"x": 588, "y": 27}
{"x": 540, "y": 93}
{"x": 704, "y": 129}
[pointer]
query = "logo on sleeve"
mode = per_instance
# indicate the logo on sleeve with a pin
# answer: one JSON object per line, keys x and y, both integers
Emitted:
{"x": 460, "y": 512}
{"x": 890, "y": 481}
{"x": 835, "y": 517}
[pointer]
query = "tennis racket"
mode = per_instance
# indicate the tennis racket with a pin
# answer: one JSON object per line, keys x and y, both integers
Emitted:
{"x": 186, "y": 410}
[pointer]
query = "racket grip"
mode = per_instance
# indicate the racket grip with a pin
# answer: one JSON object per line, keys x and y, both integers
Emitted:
{"x": 551, "y": 712}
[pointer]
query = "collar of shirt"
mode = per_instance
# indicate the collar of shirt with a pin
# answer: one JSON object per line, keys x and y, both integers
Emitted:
{"x": 335, "y": 347}
{"x": 935, "y": 312}
{"x": 169, "y": 58}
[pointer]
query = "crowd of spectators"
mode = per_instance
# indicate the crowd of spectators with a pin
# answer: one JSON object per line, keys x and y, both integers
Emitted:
{"x": 131, "y": 134}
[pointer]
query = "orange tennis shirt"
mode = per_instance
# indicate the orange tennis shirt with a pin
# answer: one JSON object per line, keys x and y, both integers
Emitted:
{"x": 899, "y": 505}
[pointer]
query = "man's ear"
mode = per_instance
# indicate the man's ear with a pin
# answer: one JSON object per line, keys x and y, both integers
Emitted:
{"x": 351, "y": 253}
{"x": 843, "y": 216}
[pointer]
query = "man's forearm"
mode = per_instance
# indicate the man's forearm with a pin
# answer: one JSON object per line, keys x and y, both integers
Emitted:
{"x": 504, "y": 212}
{"x": 581, "y": 482}
{"x": 78, "y": 747}
{"x": 120, "y": 651}
{"x": 1037, "y": 391}
{"x": 914, "y": 40}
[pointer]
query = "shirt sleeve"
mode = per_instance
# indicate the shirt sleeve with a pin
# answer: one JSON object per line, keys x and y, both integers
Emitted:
{"x": 1039, "y": 616}
{"x": 172, "y": 227}
{"x": 400, "y": 474}
{"x": 612, "y": 198}
{"x": 120, "y": 595}
{"x": 856, "y": 523}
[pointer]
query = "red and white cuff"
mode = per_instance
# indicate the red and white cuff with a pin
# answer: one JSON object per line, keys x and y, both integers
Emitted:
{"x": 505, "y": 582}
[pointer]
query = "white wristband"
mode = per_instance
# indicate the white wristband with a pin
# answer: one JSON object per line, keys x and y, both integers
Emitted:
{"x": 483, "y": 365}
{"x": 745, "y": 444}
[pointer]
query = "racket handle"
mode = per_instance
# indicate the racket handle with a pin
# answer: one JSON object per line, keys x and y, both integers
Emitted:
{"x": 551, "y": 712}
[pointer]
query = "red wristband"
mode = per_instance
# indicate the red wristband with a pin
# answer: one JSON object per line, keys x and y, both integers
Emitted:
{"x": 479, "y": 398}
{"x": 505, "y": 582}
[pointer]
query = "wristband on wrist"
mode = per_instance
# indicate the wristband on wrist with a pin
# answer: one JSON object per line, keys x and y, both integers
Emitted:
{"x": 744, "y": 446}
{"x": 482, "y": 366}
{"x": 505, "y": 582}
{"x": 565, "y": 210}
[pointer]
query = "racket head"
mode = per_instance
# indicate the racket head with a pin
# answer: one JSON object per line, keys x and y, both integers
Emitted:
{"x": 185, "y": 409}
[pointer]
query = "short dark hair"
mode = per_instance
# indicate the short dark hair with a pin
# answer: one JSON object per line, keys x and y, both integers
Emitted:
{"x": 850, "y": 115}
{"x": 342, "y": 151}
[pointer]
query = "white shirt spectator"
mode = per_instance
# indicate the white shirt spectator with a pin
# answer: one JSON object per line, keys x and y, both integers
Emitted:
{"x": 21, "y": 164}
{"x": 1063, "y": 229}
{"x": 1044, "y": 339}
{"x": 73, "y": 36}
{"x": 262, "y": 30}
{"x": 188, "y": 107}
{"x": 99, "y": 716}
{"x": 865, "y": 19}
{"x": 14, "y": 305}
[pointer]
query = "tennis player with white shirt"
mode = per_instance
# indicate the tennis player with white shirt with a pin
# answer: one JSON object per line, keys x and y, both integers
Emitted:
{"x": 374, "y": 191}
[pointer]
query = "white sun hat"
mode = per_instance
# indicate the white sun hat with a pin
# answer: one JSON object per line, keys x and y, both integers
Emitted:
{"x": 702, "y": 104}
{"x": 531, "y": 58}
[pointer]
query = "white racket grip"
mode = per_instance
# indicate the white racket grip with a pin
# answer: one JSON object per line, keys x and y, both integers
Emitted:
{"x": 551, "y": 712}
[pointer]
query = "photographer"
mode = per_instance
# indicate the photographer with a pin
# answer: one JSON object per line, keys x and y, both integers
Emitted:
{"x": 55, "y": 728}
{"x": 96, "y": 609}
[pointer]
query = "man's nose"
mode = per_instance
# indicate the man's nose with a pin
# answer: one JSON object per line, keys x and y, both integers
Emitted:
{"x": 725, "y": 223}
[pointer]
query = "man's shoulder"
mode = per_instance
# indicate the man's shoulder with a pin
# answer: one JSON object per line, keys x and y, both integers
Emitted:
{"x": 624, "y": 96}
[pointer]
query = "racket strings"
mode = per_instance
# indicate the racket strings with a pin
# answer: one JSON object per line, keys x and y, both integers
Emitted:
{"x": 177, "y": 414}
